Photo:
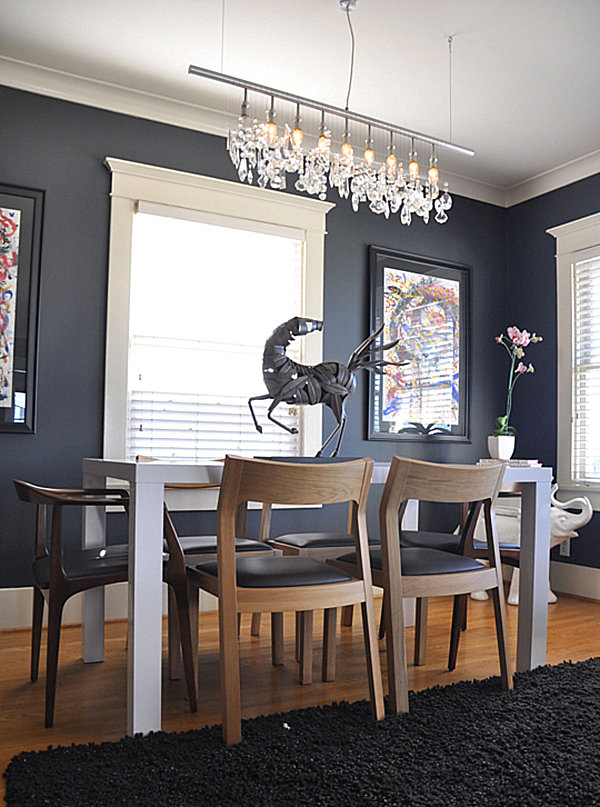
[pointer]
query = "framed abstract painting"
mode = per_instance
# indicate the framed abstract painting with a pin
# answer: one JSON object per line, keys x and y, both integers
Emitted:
{"x": 424, "y": 304}
{"x": 21, "y": 211}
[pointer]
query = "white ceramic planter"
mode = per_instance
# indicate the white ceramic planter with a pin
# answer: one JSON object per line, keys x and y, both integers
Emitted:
{"x": 501, "y": 448}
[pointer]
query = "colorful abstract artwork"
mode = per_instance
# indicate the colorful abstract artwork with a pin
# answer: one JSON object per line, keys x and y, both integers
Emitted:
{"x": 423, "y": 306}
{"x": 10, "y": 221}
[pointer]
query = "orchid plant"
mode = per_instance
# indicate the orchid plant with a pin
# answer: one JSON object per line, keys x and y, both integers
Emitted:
{"x": 513, "y": 342}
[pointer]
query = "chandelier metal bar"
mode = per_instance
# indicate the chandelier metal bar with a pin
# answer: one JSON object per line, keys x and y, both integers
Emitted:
{"x": 330, "y": 110}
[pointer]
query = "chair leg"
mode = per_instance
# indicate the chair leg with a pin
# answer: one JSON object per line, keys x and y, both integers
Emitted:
{"x": 422, "y": 607}
{"x": 382, "y": 618}
{"x": 229, "y": 653}
{"x": 306, "y": 645}
{"x": 506, "y": 668}
{"x": 396, "y": 652}
{"x": 55, "y": 609}
{"x": 299, "y": 626}
{"x": 458, "y": 620}
{"x": 276, "y": 638}
{"x": 373, "y": 663}
{"x": 347, "y": 614}
{"x": 255, "y": 626}
{"x": 186, "y": 603}
{"x": 329, "y": 644}
{"x": 36, "y": 632}
{"x": 173, "y": 638}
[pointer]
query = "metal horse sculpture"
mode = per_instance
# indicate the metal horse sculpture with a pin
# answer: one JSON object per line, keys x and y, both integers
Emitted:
{"x": 329, "y": 383}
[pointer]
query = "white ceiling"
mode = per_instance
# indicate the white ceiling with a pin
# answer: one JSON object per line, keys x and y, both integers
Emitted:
{"x": 525, "y": 73}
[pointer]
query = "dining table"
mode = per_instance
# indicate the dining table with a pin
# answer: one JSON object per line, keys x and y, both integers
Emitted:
{"x": 146, "y": 481}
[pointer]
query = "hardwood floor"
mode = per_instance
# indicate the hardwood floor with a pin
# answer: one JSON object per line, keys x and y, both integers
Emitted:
{"x": 90, "y": 704}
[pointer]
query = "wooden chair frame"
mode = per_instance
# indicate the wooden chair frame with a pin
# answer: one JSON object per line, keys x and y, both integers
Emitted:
{"x": 411, "y": 479}
{"x": 263, "y": 481}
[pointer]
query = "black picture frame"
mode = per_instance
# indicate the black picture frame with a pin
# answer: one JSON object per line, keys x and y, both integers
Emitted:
{"x": 21, "y": 217}
{"x": 425, "y": 303}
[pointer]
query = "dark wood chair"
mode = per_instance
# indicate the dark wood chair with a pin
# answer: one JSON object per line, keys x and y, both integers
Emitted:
{"x": 60, "y": 572}
{"x": 423, "y": 572}
{"x": 278, "y": 584}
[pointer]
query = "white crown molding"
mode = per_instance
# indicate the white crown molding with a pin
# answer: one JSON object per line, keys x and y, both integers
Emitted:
{"x": 558, "y": 177}
{"x": 117, "y": 98}
{"x": 114, "y": 97}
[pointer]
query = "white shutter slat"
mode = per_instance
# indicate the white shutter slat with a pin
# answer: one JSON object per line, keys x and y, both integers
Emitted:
{"x": 586, "y": 372}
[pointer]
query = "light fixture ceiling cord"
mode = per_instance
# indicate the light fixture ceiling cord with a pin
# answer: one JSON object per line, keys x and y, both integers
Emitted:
{"x": 351, "y": 58}
{"x": 222, "y": 32}
{"x": 450, "y": 88}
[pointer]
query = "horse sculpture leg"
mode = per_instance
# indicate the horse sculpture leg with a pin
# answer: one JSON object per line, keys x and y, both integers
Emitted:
{"x": 276, "y": 402}
{"x": 257, "y": 398}
{"x": 338, "y": 407}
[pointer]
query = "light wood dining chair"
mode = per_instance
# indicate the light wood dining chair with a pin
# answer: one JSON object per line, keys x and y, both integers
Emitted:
{"x": 422, "y": 572}
{"x": 293, "y": 583}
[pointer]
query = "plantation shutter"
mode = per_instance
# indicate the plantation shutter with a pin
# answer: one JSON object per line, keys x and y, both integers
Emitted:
{"x": 205, "y": 295}
{"x": 586, "y": 371}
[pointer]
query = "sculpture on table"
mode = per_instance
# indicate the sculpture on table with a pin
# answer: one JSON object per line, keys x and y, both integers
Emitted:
{"x": 562, "y": 526}
{"x": 329, "y": 383}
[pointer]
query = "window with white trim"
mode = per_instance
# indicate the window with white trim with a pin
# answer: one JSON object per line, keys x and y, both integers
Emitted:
{"x": 578, "y": 293}
{"x": 200, "y": 273}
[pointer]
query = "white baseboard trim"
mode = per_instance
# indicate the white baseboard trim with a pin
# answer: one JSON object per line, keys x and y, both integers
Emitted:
{"x": 15, "y": 606}
{"x": 15, "y": 603}
{"x": 569, "y": 578}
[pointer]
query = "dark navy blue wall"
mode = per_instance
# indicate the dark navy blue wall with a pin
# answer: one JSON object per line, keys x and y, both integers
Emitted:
{"x": 531, "y": 286}
{"x": 60, "y": 147}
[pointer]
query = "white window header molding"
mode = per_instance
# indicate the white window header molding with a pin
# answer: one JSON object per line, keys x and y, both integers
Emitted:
{"x": 150, "y": 183}
{"x": 576, "y": 235}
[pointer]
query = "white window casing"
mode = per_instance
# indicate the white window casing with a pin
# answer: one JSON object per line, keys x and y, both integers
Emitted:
{"x": 578, "y": 338}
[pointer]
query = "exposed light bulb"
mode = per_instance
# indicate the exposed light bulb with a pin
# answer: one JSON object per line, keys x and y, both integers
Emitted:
{"x": 413, "y": 167}
{"x": 369, "y": 155}
{"x": 270, "y": 125}
{"x": 270, "y": 130}
{"x": 434, "y": 175}
{"x": 346, "y": 149}
{"x": 323, "y": 143}
{"x": 297, "y": 134}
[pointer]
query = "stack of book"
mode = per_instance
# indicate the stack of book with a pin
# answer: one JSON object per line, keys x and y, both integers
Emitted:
{"x": 513, "y": 463}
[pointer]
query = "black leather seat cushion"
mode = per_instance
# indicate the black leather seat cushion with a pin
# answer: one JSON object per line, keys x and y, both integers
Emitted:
{"x": 419, "y": 560}
{"x": 444, "y": 541}
{"x": 314, "y": 540}
{"x": 273, "y": 572}
{"x": 85, "y": 563}
{"x": 207, "y": 545}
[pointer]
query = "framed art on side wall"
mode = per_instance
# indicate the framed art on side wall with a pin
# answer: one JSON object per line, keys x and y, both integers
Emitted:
{"x": 424, "y": 304}
{"x": 21, "y": 211}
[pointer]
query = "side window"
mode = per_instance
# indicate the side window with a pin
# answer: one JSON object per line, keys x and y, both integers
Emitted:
{"x": 578, "y": 294}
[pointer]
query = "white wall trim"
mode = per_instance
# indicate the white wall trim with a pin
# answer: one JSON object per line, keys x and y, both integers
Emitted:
{"x": 569, "y": 578}
{"x": 16, "y": 603}
{"x": 141, "y": 104}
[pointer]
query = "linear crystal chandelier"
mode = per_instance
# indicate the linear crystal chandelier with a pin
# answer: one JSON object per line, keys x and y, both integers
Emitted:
{"x": 262, "y": 151}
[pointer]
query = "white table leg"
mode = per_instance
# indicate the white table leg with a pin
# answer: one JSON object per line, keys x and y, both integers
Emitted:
{"x": 534, "y": 565}
{"x": 144, "y": 648}
{"x": 94, "y": 535}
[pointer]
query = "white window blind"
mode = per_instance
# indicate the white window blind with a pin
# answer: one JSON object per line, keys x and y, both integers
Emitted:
{"x": 205, "y": 295}
{"x": 585, "y": 446}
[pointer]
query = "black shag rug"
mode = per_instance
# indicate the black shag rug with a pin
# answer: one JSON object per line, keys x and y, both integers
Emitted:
{"x": 465, "y": 744}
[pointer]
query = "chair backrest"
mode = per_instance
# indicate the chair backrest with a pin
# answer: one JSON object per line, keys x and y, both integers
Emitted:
{"x": 477, "y": 485}
{"x": 267, "y": 481}
{"x": 57, "y": 498}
